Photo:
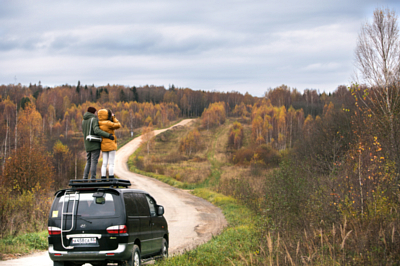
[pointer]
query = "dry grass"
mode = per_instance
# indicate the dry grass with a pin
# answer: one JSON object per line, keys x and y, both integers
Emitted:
{"x": 189, "y": 171}
{"x": 316, "y": 247}
{"x": 166, "y": 159}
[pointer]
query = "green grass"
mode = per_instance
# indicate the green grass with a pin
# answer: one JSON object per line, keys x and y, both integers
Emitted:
{"x": 236, "y": 245}
{"x": 23, "y": 244}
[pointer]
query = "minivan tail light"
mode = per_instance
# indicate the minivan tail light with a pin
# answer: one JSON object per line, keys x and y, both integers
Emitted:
{"x": 53, "y": 230}
{"x": 117, "y": 229}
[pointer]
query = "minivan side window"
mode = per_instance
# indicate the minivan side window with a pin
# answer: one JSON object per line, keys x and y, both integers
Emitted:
{"x": 130, "y": 204}
{"x": 152, "y": 206}
{"x": 141, "y": 202}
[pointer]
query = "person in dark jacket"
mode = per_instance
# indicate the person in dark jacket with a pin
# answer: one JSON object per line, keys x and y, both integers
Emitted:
{"x": 92, "y": 148}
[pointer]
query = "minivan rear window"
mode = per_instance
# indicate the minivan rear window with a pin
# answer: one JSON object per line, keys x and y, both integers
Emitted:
{"x": 85, "y": 204}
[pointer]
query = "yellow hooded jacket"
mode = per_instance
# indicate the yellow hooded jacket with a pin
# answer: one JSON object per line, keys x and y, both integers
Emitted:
{"x": 109, "y": 127}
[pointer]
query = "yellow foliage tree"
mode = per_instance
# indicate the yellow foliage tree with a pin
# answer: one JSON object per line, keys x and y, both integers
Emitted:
{"x": 29, "y": 125}
{"x": 214, "y": 115}
{"x": 190, "y": 143}
{"x": 236, "y": 135}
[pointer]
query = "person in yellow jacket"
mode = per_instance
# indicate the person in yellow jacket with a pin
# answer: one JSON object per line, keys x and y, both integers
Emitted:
{"x": 108, "y": 123}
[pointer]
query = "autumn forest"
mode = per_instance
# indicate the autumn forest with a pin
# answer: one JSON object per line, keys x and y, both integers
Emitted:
{"x": 319, "y": 171}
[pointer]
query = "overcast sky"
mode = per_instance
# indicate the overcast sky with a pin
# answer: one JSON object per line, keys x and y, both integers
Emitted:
{"x": 224, "y": 45}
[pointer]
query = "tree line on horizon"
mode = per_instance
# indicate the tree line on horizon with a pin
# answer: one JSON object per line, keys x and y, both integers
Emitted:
{"x": 46, "y": 122}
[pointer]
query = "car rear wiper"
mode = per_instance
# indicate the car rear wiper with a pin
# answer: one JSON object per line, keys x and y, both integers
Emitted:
{"x": 80, "y": 216}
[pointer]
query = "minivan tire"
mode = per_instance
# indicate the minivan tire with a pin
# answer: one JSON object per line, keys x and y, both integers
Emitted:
{"x": 164, "y": 251}
{"x": 134, "y": 260}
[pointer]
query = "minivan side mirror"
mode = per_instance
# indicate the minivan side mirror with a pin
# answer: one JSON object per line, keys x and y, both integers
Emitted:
{"x": 160, "y": 210}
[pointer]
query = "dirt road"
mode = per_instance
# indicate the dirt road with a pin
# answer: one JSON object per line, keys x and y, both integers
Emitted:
{"x": 191, "y": 220}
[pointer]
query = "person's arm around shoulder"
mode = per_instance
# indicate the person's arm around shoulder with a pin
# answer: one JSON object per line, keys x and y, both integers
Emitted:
{"x": 100, "y": 132}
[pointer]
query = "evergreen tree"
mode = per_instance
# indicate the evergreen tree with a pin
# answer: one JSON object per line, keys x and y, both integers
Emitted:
{"x": 122, "y": 96}
{"x": 78, "y": 87}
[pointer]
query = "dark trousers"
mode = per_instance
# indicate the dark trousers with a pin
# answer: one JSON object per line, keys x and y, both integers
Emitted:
{"x": 92, "y": 157}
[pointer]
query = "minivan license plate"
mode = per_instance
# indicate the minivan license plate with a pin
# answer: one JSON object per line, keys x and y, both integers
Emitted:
{"x": 85, "y": 240}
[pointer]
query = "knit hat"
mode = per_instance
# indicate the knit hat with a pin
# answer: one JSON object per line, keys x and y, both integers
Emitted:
{"x": 91, "y": 110}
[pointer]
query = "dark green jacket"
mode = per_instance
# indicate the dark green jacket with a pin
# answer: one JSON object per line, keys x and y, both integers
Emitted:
{"x": 89, "y": 145}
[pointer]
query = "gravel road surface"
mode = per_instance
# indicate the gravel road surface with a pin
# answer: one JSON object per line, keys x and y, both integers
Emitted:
{"x": 191, "y": 220}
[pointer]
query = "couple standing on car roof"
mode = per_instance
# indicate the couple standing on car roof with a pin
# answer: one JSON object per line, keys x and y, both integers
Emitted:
{"x": 104, "y": 126}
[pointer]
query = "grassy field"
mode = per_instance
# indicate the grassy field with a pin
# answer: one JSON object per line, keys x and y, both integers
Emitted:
{"x": 207, "y": 172}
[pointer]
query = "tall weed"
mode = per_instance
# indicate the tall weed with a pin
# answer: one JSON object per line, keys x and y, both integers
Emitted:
{"x": 22, "y": 213}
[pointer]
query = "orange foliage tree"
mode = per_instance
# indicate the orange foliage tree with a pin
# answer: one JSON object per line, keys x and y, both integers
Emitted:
{"x": 29, "y": 125}
{"x": 28, "y": 167}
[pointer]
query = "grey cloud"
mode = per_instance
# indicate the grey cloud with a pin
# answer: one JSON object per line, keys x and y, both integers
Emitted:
{"x": 200, "y": 44}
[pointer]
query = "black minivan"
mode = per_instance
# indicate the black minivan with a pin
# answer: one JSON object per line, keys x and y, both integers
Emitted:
{"x": 105, "y": 222}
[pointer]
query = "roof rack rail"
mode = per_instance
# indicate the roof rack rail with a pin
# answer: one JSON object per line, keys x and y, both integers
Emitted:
{"x": 99, "y": 183}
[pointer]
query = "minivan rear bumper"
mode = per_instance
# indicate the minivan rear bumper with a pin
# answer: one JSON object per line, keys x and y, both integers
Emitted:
{"x": 123, "y": 252}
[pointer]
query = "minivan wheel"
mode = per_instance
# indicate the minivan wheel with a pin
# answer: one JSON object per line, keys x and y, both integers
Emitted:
{"x": 134, "y": 260}
{"x": 164, "y": 251}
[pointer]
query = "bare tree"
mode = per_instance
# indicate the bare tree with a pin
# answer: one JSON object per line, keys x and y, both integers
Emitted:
{"x": 378, "y": 49}
{"x": 377, "y": 57}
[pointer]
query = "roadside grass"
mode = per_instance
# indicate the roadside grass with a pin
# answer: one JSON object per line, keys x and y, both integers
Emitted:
{"x": 23, "y": 244}
{"x": 236, "y": 245}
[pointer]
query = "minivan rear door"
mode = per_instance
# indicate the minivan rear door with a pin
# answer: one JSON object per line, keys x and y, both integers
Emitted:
{"x": 86, "y": 230}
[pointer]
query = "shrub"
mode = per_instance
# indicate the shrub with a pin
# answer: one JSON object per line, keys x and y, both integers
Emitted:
{"x": 138, "y": 161}
{"x": 266, "y": 156}
{"x": 243, "y": 156}
{"x": 288, "y": 190}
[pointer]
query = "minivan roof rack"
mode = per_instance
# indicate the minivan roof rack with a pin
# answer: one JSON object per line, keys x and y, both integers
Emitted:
{"x": 99, "y": 183}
